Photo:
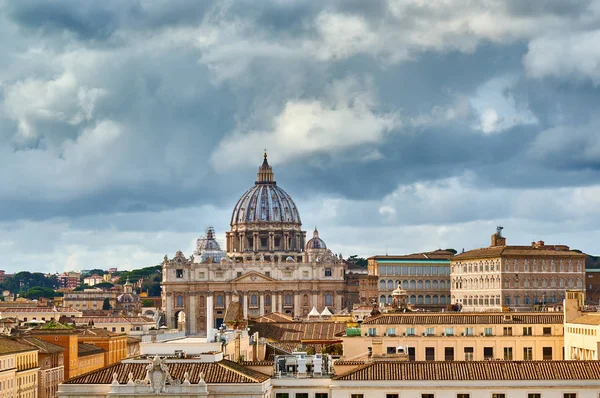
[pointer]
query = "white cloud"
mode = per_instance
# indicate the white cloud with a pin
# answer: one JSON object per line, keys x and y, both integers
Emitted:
{"x": 344, "y": 118}
{"x": 497, "y": 107}
{"x": 566, "y": 56}
{"x": 61, "y": 99}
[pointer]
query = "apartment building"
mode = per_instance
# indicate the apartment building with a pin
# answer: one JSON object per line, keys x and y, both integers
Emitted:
{"x": 459, "y": 336}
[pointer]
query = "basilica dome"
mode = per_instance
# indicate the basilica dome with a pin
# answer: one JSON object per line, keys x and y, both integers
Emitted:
{"x": 265, "y": 202}
{"x": 316, "y": 242}
{"x": 265, "y": 222}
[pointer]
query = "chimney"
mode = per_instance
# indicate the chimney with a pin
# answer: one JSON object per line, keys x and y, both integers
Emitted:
{"x": 497, "y": 238}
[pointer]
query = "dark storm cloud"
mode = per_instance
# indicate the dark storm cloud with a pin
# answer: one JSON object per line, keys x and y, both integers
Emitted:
{"x": 114, "y": 117}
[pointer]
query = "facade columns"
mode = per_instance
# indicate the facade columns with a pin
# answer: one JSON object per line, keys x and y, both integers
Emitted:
{"x": 227, "y": 299}
{"x": 245, "y": 303}
{"x": 255, "y": 241}
{"x": 280, "y": 303}
{"x": 210, "y": 311}
{"x": 262, "y": 304}
{"x": 169, "y": 312}
{"x": 338, "y": 301}
{"x": 297, "y": 304}
{"x": 191, "y": 325}
{"x": 242, "y": 241}
{"x": 315, "y": 300}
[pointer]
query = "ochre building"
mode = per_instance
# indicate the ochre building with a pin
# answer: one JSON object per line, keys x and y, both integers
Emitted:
{"x": 268, "y": 266}
{"x": 502, "y": 277}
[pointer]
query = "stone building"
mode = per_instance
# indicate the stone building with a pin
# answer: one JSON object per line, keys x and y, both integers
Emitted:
{"x": 18, "y": 369}
{"x": 424, "y": 276}
{"x": 518, "y": 277}
{"x": 267, "y": 265}
{"x": 51, "y": 365}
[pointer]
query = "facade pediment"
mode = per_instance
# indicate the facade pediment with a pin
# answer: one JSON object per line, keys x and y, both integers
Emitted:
{"x": 253, "y": 277}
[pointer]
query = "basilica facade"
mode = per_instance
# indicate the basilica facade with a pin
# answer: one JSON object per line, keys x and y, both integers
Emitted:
{"x": 267, "y": 266}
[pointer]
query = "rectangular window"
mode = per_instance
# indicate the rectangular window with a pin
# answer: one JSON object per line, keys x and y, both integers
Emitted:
{"x": 468, "y": 332}
{"x": 429, "y": 353}
{"x": 238, "y": 274}
{"x": 301, "y": 395}
{"x": 429, "y": 331}
{"x": 547, "y": 353}
{"x": 201, "y": 275}
{"x": 570, "y": 395}
{"x": 410, "y": 331}
{"x": 268, "y": 274}
{"x": 468, "y": 353}
{"x": 488, "y": 352}
{"x": 391, "y": 350}
{"x": 327, "y": 271}
{"x": 305, "y": 274}
{"x": 534, "y": 395}
{"x": 282, "y": 395}
{"x": 427, "y": 396}
{"x": 463, "y": 395}
{"x": 498, "y": 395}
{"x": 372, "y": 331}
{"x": 179, "y": 273}
{"x": 487, "y": 331}
{"x": 411, "y": 353}
{"x": 507, "y": 331}
{"x": 547, "y": 331}
{"x": 527, "y": 331}
{"x": 391, "y": 331}
{"x": 321, "y": 395}
{"x": 391, "y": 395}
{"x": 122, "y": 329}
{"x": 449, "y": 331}
{"x": 357, "y": 395}
{"x": 449, "y": 353}
{"x": 508, "y": 353}
{"x": 528, "y": 353}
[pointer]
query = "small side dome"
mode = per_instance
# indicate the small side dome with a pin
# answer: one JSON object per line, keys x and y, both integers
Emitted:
{"x": 316, "y": 242}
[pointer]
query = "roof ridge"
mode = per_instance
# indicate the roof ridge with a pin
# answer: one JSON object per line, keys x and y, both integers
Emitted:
{"x": 222, "y": 364}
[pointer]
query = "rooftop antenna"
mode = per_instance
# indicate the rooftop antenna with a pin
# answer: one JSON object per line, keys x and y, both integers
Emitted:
{"x": 499, "y": 229}
{"x": 386, "y": 250}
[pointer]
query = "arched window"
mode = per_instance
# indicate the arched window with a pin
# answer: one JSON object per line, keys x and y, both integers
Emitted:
{"x": 434, "y": 285}
{"x": 219, "y": 300}
{"x": 428, "y": 299}
{"x": 405, "y": 284}
{"x": 420, "y": 285}
{"x": 420, "y": 299}
{"x": 288, "y": 299}
{"x": 413, "y": 285}
{"x": 436, "y": 299}
{"x": 442, "y": 285}
{"x": 328, "y": 299}
{"x": 427, "y": 285}
{"x": 180, "y": 301}
{"x": 381, "y": 285}
{"x": 382, "y": 299}
{"x": 390, "y": 285}
{"x": 442, "y": 299}
{"x": 570, "y": 282}
{"x": 389, "y": 299}
{"x": 413, "y": 299}
{"x": 254, "y": 300}
{"x": 268, "y": 300}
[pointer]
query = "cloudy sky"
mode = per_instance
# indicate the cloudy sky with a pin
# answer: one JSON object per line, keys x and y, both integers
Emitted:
{"x": 128, "y": 126}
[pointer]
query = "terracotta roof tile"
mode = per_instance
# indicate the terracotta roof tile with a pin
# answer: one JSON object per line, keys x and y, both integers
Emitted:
{"x": 504, "y": 251}
{"x": 273, "y": 317}
{"x": 43, "y": 346}
{"x": 446, "y": 318}
{"x": 88, "y": 349}
{"x": 475, "y": 370}
{"x": 10, "y": 345}
{"x": 217, "y": 372}
{"x": 299, "y": 331}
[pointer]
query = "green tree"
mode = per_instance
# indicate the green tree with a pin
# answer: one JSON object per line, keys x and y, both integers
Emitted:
{"x": 106, "y": 304}
{"x": 35, "y": 293}
{"x": 147, "y": 303}
{"x": 104, "y": 285}
{"x": 451, "y": 250}
{"x": 359, "y": 261}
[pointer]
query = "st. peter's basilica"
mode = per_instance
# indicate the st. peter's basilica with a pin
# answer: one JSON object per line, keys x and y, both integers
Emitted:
{"x": 267, "y": 266}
